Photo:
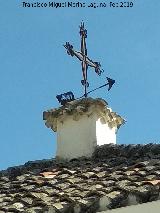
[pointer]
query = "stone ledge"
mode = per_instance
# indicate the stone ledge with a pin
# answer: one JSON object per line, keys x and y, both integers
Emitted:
{"x": 78, "y": 108}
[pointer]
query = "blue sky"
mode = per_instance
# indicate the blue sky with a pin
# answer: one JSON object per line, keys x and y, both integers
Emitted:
{"x": 35, "y": 68}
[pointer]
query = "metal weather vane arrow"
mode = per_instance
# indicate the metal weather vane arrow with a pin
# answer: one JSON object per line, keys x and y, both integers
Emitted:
{"x": 85, "y": 63}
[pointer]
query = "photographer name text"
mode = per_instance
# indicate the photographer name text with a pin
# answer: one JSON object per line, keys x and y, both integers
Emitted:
{"x": 110, "y": 4}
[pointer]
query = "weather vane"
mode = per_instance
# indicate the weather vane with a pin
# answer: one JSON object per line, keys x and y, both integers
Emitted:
{"x": 85, "y": 63}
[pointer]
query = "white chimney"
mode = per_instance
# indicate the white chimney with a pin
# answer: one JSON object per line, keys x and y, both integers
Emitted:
{"x": 81, "y": 125}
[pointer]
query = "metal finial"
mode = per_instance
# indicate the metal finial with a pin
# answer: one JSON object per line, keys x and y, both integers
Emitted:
{"x": 85, "y": 63}
{"x": 84, "y": 59}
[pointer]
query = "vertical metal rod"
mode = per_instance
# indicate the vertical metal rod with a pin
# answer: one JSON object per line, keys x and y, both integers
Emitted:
{"x": 85, "y": 90}
{"x": 86, "y": 83}
{"x": 83, "y": 34}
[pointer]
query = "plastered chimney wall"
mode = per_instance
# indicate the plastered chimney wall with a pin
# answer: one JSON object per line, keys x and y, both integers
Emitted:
{"x": 81, "y": 126}
{"x": 76, "y": 138}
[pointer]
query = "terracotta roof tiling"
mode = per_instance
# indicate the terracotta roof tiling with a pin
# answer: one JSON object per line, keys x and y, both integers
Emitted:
{"x": 115, "y": 176}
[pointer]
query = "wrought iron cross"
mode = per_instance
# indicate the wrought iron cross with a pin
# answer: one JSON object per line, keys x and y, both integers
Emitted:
{"x": 85, "y": 62}
{"x": 82, "y": 56}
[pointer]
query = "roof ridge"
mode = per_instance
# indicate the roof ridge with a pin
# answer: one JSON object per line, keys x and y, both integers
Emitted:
{"x": 107, "y": 153}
